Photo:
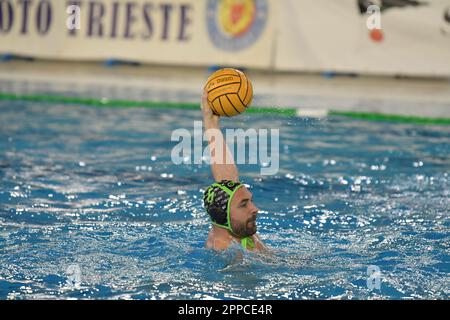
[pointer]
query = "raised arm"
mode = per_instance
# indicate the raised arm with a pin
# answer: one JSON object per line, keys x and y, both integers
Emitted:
{"x": 222, "y": 163}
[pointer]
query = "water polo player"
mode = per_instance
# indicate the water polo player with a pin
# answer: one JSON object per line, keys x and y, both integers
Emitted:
{"x": 228, "y": 202}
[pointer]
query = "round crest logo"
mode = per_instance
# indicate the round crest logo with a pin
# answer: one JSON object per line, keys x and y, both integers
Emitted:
{"x": 236, "y": 24}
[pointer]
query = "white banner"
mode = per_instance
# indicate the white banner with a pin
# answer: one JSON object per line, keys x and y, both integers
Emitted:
{"x": 189, "y": 32}
{"x": 407, "y": 37}
{"x": 330, "y": 35}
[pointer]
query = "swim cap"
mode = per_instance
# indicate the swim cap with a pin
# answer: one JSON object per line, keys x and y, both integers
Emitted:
{"x": 217, "y": 201}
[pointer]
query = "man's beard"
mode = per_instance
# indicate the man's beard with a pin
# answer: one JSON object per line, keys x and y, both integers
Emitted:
{"x": 245, "y": 229}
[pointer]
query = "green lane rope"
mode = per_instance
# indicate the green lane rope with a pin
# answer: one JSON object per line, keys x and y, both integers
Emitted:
{"x": 391, "y": 118}
{"x": 118, "y": 103}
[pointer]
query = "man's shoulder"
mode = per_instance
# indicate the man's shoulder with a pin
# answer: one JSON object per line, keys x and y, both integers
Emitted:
{"x": 259, "y": 245}
{"x": 217, "y": 243}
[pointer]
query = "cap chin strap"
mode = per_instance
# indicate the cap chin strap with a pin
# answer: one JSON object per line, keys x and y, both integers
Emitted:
{"x": 246, "y": 242}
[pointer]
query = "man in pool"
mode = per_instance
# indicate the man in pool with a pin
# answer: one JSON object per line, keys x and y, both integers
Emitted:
{"x": 228, "y": 202}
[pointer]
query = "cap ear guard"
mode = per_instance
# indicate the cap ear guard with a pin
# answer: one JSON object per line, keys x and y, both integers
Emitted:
{"x": 215, "y": 201}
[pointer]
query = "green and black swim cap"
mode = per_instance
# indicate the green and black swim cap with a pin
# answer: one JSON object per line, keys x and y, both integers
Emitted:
{"x": 217, "y": 201}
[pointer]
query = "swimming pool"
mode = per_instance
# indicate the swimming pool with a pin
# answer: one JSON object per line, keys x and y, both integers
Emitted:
{"x": 95, "y": 188}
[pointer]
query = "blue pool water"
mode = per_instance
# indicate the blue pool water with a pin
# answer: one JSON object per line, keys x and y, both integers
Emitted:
{"x": 95, "y": 188}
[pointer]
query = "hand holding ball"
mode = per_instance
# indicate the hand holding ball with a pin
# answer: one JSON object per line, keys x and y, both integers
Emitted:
{"x": 229, "y": 92}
